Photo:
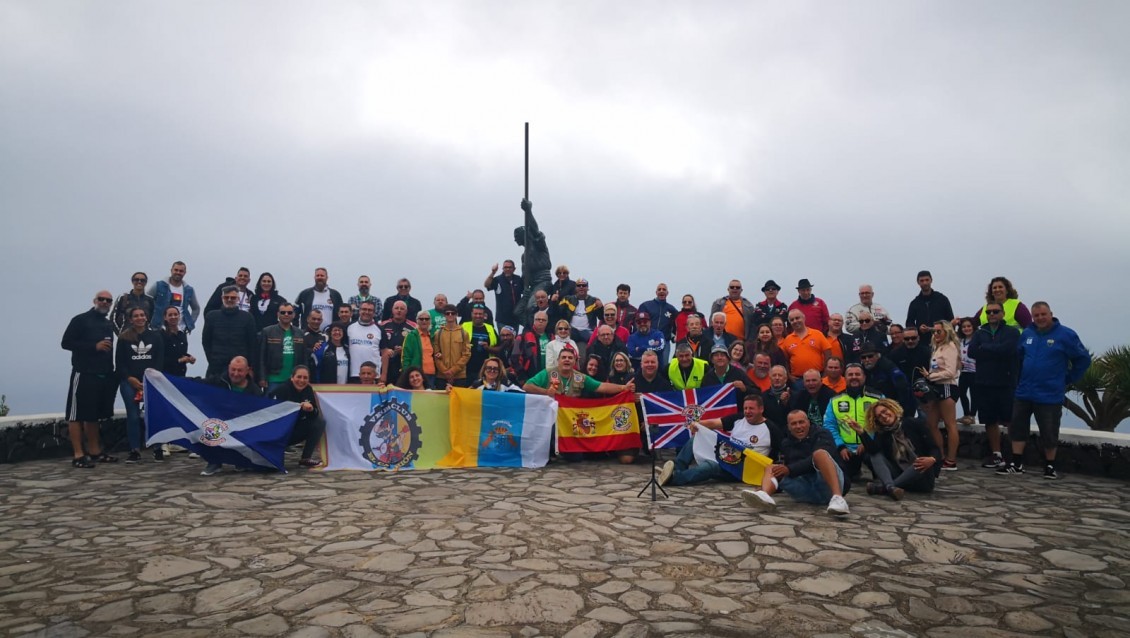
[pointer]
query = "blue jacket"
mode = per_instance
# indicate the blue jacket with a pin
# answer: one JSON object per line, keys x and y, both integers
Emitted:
{"x": 639, "y": 343}
{"x": 189, "y": 309}
{"x": 1049, "y": 362}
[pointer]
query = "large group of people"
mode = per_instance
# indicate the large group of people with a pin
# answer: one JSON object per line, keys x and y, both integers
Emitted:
{"x": 835, "y": 392}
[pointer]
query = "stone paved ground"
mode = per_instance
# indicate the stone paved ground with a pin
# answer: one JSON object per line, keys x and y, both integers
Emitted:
{"x": 567, "y": 550}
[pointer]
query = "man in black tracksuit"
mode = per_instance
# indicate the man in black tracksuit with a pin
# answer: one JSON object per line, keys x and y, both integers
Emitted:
{"x": 90, "y": 397}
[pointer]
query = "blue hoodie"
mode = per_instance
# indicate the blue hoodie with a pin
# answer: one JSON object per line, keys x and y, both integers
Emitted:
{"x": 1050, "y": 361}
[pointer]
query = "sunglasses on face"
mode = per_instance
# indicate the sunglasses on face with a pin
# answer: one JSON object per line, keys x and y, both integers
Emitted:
{"x": 103, "y": 299}
{"x": 491, "y": 368}
{"x": 286, "y": 312}
{"x": 139, "y": 280}
{"x": 993, "y": 312}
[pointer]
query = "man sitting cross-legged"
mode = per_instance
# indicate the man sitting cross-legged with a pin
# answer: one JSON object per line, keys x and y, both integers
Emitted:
{"x": 761, "y": 435}
{"x": 808, "y": 470}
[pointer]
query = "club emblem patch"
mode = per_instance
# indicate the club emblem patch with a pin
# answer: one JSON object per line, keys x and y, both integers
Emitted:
{"x": 390, "y": 436}
{"x": 213, "y": 432}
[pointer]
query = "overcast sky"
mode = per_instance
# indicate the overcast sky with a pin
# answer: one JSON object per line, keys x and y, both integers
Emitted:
{"x": 683, "y": 142}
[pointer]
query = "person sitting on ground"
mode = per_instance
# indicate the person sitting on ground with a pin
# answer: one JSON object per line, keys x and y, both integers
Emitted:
{"x": 807, "y": 472}
{"x": 751, "y": 430}
{"x": 849, "y": 405}
{"x": 310, "y": 425}
{"x": 902, "y": 455}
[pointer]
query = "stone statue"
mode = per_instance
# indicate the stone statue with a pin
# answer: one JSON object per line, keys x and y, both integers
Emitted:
{"x": 535, "y": 263}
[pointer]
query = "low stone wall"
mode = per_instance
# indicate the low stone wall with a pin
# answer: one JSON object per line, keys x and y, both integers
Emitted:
{"x": 41, "y": 436}
{"x": 44, "y": 436}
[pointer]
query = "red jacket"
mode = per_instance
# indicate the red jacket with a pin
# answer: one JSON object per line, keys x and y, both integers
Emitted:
{"x": 815, "y": 313}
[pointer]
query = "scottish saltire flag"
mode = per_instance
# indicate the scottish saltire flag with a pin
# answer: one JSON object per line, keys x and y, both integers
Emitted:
{"x": 597, "y": 425}
{"x": 391, "y": 430}
{"x": 668, "y": 413}
{"x": 220, "y": 425}
{"x": 740, "y": 460}
{"x": 500, "y": 429}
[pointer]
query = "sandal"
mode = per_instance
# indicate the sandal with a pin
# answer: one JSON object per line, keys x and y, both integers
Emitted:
{"x": 106, "y": 458}
{"x": 84, "y": 462}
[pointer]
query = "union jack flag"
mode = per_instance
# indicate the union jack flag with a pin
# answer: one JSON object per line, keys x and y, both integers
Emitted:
{"x": 668, "y": 413}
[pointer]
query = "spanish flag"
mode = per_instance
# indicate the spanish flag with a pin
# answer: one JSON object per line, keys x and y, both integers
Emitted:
{"x": 499, "y": 429}
{"x": 597, "y": 425}
{"x": 743, "y": 463}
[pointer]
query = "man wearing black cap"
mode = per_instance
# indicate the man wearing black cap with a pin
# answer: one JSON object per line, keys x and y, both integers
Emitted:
{"x": 929, "y": 306}
{"x": 765, "y": 310}
{"x": 739, "y": 312}
{"x": 814, "y": 309}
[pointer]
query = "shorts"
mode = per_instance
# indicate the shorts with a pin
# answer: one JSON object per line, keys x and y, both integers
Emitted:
{"x": 994, "y": 403}
{"x": 811, "y": 488}
{"x": 1047, "y": 419}
{"x": 90, "y": 397}
{"x": 943, "y": 391}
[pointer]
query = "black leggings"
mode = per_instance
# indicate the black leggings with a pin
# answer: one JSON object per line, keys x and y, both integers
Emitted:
{"x": 967, "y": 394}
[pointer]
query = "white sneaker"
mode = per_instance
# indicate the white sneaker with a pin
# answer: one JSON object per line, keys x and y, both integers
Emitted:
{"x": 193, "y": 455}
{"x": 758, "y": 499}
{"x": 666, "y": 472}
{"x": 211, "y": 469}
{"x": 837, "y": 506}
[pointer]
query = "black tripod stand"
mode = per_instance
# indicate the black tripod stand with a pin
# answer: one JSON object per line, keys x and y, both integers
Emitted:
{"x": 653, "y": 483}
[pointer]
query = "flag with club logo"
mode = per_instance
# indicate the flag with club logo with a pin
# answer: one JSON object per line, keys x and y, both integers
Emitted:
{"x": 597, "y": 425}
{"x": 220, "y": 425}
{"x": 385, "y": 429}
{"x": 733, "y": 456}
{"x": 668, "y": 413}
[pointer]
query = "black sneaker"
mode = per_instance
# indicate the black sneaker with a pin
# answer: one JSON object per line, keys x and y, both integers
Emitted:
{"x": 1049, "y": 473}
{"x": 1010, "y": 468}
{"x": 158, "y": 454}
{"x": 995, "y": 462}
{"x": 134, "y": 457}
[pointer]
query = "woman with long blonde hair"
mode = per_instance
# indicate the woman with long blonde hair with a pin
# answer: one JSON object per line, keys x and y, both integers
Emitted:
{"x": 944, "y": 375}
{"x": 903, "y": 458}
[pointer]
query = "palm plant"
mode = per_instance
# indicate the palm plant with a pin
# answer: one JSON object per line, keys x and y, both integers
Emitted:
{"x": 1104, "y": 391}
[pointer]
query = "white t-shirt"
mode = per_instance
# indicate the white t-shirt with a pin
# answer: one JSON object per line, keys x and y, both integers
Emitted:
{"x": 343, "y": 365}
{"x": 176, "y": 299}
{"x": 364, "y": 345}
{"x": 580, "y": 319}
{"x": 322, "y": 302}
{"x": 244, "y": 302}
{"x": 756, "y": 436}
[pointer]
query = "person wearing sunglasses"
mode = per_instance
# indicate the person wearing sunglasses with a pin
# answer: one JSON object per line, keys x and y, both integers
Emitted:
{"x": 452, "y": 350}
{"x": 739, "y": 311}
{"x": 880, "y": 318}
{"x": 995, "y": 349}
{"x": 90, "y": 397}
{"x": 228, "y": 332}
{"x": 281, "y": 347}
{"x": 135, "y": 298}
{"x": 493, "y": 378}
{"x": 403, "y": 287}
{"x": 561, "y": 338}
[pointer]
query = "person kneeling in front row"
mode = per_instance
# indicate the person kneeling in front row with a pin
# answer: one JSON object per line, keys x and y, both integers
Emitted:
{"x": 310, "y": 425}
{"x": 808, "y": 471}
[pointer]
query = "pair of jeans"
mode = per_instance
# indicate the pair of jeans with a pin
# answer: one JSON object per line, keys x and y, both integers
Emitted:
{"x": 701, "y": 472}
{"x": 133, "y": 415}
{"x": 811, "y": 488}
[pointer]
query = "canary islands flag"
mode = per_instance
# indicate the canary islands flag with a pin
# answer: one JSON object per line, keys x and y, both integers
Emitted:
{"x": 739, "y": 460}
{"x": 367, "y": 429}
{"x": 220, "y": 425}
{"x": 597, "y": 425}
{"x": 500, "y": 429}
